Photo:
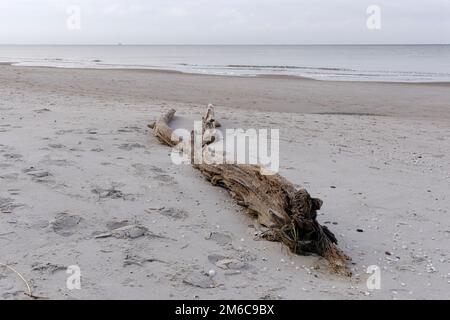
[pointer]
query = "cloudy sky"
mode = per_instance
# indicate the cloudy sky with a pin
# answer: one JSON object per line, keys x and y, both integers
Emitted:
{"x": 222, "y": 21}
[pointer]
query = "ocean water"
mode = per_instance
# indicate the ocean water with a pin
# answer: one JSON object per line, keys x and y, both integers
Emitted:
{"x": 393, "y": 63}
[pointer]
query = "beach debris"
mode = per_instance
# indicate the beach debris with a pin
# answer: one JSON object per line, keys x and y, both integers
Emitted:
{"x": 29, "y": 291}
{"x": 212, "y": 273}
{"x": 129, "y": 129}
{"x": 289, "y": 213}
{"x": 430, "y": 268}
{"x": 42, "y": 110}
{"x": 102, "y": 235}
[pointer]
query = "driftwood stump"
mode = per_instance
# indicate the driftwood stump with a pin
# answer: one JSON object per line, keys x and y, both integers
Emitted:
{"x": 289, "y": 214}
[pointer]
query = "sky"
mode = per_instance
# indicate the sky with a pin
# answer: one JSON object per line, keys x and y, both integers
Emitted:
{"x": 224, "y": 21}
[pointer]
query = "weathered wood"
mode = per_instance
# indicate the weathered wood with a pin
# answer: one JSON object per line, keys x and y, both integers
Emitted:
{"x": 162, "y": 130}
{"x": 289, "y": 214}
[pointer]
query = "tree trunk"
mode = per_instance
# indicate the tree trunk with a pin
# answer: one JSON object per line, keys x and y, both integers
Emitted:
{"x": 289, "y": 214}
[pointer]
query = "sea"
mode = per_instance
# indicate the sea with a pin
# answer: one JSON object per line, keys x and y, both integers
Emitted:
{"x": 387, "y": 63}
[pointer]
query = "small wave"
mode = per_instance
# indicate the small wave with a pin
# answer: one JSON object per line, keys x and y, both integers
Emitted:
{"x": 318, "y": 73}
{"x": 263, "y": 67}
{"x": 285, "y": 67}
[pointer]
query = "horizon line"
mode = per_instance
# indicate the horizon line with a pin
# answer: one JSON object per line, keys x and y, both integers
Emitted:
{"x": 222, "y": 44}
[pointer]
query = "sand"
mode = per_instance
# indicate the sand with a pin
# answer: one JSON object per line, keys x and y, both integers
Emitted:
{"x": 83, "y": 182}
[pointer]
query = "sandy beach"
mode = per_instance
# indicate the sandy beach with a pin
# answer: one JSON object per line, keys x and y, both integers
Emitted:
{"x": 78, "y": 163}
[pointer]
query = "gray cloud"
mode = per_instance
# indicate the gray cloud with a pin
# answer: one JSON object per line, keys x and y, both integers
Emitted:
{"x": 224, "y": 21}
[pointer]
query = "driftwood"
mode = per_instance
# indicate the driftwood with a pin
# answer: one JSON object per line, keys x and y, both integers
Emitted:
{"x": 289, "y": 214}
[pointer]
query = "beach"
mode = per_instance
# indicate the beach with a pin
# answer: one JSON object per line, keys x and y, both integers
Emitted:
{"x": 78, "y": 163}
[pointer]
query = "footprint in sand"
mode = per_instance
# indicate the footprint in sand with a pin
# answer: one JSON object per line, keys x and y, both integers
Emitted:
{"x": 110, "y": 193}
{"x": 129, "y": 129}
{"x": 65, "y": 224}
{"x": 56, "y": 145}
{"x": 44, "y": 110}
{"x": 200, "y": 280}
{"x": 112, "y": 225}
{"x": 38, "y": 175}
{"x": 153, "y": 172}
{"x": 48, "y": 267}
{"x": 221, "y": 238}
{"x": 136, "y": 260}
{"x": 9, "y": 176}
{"x": 232, "y": 266}
{"x": 7, "y": 205}
{"x": 12, "y": 156}
{"x": 63, "y": 132}
{"x": 131, "y": 146}
{"x": 171, "y": 213}
{"x": 14, "y": 192}
{"x": 56, "y": 162}
{"x": 133, "y": 231}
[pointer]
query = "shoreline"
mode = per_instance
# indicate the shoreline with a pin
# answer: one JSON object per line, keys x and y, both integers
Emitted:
{"x": 280, "y": 94}
{"x": 268, "y": 75}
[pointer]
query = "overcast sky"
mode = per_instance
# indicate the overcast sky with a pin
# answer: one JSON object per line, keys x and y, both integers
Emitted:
{"x": 223, "y": 21}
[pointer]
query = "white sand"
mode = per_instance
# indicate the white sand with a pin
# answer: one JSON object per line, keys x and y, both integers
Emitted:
{"x": 62, "y": 145}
